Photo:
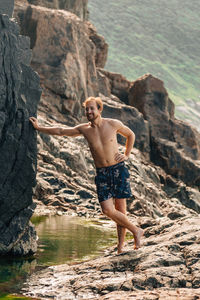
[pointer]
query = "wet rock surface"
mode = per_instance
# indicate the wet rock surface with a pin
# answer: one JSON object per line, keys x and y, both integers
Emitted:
{"x": 20, "y": 93}
{"x": 167, "y": 265}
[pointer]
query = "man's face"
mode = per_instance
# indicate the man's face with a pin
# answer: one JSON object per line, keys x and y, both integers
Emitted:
{"x": 91, "y": 111}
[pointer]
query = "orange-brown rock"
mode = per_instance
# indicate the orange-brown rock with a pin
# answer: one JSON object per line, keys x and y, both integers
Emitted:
{"x": 68, "y": 68}
{"x": 77, "y": 7}
{"x": 132, "y": 118}
{"x": 175, "y": 145}
{"x": 63, "y": 53}
{"x": 21, "y": 2}
{"x": 101, "y": 46}
{"x": 114, "y": 83}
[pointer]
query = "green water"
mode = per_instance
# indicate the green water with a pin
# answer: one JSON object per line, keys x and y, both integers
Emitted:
{"x": 62, "y": 239}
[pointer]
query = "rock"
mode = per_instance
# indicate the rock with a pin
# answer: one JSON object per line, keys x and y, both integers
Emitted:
{"x": 67, "y": 68}
{"x": 150, "y": 97}
{"x": 100, "y": 44}
{"x": 175, "y": 162}
{"x": 19, "y": 233}
{"x": 71, "y": 70}
{"x": 104, "y": 85}
{"x": 131, "y": 118}
{"x": 75, "y": 161}
{"x": 84, "y": 194}
{"x": 6, "y": 7}
{"x": 155, "y": 194}
{"x": 175, "y": 145}
{"x": 181, "y": 294}
{"x": 115, "y": 84}
{"x": 188, "y": 197}
{"x": 21, "y": 2}
{"x": 163, "y": 267}
{"x": 27, "y": 244}
{"x": 77, "y": 7}
{"x": 20, "y": 93}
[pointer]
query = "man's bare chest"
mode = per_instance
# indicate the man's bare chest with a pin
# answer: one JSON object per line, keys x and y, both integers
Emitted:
{"x": 100, "y": 136}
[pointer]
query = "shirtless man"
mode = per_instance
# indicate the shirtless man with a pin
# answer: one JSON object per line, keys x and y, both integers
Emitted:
{"x": 112, "y": 177}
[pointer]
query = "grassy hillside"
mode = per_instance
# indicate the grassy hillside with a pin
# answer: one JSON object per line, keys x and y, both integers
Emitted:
{"x": 161, "y": 37}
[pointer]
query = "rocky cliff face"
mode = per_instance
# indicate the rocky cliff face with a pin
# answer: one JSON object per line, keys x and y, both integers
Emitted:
{"x": 175, "y": 145}
{"x": 70, "y": 56}
{"x": 20, "y": 93}
{"x": 6, "y": 7}
{"x": 77, "y": 7}
{"x": 68, "y": 68}
{"x": 71, "y": 70}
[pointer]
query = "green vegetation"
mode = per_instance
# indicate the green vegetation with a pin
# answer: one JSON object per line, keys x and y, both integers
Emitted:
{"x": 160, "y": 37}
{"x": 13, "y": 297}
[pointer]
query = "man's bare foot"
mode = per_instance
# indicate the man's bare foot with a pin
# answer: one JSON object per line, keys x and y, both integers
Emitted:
{"x": 137, "y": 238}
{"x": 119, "y": 249}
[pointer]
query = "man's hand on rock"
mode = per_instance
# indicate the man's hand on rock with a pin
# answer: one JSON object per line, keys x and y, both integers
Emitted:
{"x": 34, "y": 122}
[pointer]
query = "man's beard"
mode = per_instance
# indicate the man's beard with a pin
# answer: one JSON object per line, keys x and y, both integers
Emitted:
{"x": 91, "y": 117}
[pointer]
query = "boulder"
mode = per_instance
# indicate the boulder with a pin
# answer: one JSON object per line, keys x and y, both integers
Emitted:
{"x": 77, "y": 7}
{"x": 131, "y": 118}
{"x": 20, "y": 93}
{"x": 100, "y": 44}
{"x": 6, "y": 7}
{"x": 175, "y": 145}
{"x": 68, "y": 68}
{"x": 114, "y": 83}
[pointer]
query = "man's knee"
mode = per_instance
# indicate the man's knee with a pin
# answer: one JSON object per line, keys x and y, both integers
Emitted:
{"x": 108, "y": 211}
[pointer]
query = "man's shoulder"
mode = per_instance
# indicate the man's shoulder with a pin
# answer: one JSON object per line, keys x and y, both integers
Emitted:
{"x": 82, "y": 127}
{"x": 113, "y": 122}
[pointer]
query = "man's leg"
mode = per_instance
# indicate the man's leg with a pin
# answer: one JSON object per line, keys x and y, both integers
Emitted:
{"x": 120, "y": 205}
{"x": 122, "y": 220}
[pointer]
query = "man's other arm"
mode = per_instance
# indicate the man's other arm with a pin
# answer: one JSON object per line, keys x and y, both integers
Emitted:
{"x": 71, "y": 131}
{"x": 130, "y": 140}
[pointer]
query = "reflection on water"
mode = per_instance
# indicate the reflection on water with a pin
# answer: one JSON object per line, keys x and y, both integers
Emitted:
{"x": 65, "y": 239}
{"x": 12, "y": 272}
{"x": 62, "y": 239}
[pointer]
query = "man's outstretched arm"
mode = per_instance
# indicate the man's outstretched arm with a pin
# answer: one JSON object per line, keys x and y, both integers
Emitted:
{"x": 71, "y": 131}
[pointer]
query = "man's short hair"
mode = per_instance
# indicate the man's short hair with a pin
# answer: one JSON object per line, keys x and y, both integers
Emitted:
{"x": 97, "y": 100}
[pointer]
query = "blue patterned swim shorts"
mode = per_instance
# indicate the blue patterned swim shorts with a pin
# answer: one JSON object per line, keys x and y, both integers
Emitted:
{"x": 113, "y": 182}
